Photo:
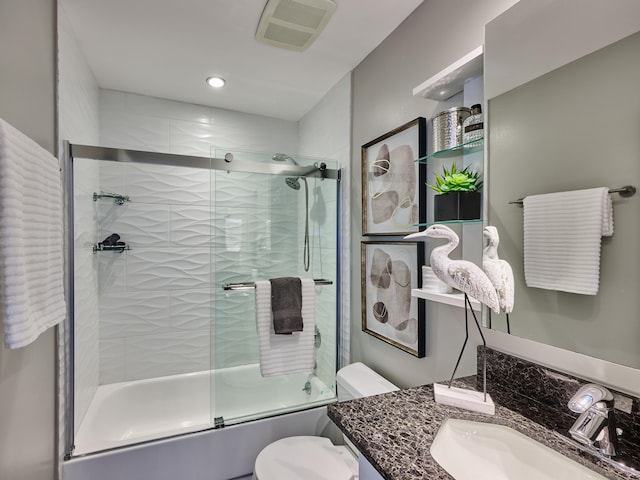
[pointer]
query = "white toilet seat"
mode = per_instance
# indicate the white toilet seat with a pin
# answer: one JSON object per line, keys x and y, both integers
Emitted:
{"x": 308, "y": 458}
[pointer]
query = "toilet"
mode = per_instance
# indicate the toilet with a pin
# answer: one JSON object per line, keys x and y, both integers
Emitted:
{"x": 306, "y": 457}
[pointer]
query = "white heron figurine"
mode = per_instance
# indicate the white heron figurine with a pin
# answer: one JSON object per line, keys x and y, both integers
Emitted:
{"x": 464, "y": 275}
{"x": 499, "y": 272}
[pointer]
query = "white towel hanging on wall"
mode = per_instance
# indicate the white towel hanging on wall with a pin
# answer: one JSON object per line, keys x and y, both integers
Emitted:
{"x": 31, "y": 238}
{"x": 562, "y": 239}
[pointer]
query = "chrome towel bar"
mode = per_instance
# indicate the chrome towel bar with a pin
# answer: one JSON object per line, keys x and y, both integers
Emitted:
{"x": 626, "y": 191}
{"x": 252, "y": 285}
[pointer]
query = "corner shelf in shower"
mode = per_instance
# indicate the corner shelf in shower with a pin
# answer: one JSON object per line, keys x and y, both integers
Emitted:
{"x": 453, "y": 299}
{"x": 110, "y": 248}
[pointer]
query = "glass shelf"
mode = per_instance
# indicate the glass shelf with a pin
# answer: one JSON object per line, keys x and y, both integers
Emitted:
{"x": 448, "y": 222}
{"x": 462, "y": 149}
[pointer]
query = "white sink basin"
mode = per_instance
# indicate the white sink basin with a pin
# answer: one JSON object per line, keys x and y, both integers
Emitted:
{"x": 478, "y": 451}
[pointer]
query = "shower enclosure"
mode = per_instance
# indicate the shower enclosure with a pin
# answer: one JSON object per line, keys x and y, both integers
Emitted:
{"x": 165, "y": 251}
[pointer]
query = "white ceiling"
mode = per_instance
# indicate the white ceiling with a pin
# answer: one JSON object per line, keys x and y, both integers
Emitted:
{"x": 167, "y": 48}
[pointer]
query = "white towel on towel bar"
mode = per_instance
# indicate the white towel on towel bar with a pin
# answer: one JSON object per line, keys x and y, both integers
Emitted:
{"x": 280, "y": 354}
{"x": 31, "y": 248}
{"x": 562, "y": 239}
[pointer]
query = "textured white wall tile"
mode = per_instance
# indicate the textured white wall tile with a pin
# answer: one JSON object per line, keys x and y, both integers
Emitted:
{"x": 233, "y": 130}
{"x": 240, "y": 189}
{"x": 170, "y": 354}
{"x": 266, "y": 134}
{"x": 136, "y": 132}
{"x": 325, "y": 320}
{"x": 77, "y": 89}
{"x": 84, "y": 220}
{"x": 232, "y": 126}
{"x": 138, "y": 224}
{"x": 86, "y": 176}
{"x": 78, "y": 118}
{"x": 112, "y": 361}
{"x": 237, "y": 267}
{"x": 192, "y": 309}
{"x": 267, "y": 229}
{"x": 112, "y": 178}
{"x": 86, "y": 330}
{"x": 167, "y": 184}
{"x": 191, "y": 138}
{"x": 247, "y": 230}
{"x": 112, "y": 271}
{"x": 235, "y": 334}
{"x": 132, "y": 314}
{"x": 168, "y": 268}
{"x": 159, "y": 107}
{"x": 190, "y": 226}
{"x": 190, "y": 112}
{"x": 326, "y": 132}
{"x": 86, "y": 284}
{"x": 323, "y": 263}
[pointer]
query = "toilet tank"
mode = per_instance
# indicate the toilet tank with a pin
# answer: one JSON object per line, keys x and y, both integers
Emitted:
{"x": 357, "y": 380}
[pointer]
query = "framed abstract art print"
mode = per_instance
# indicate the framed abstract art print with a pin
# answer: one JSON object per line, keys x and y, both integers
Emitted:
{"x": 393, "y": 183}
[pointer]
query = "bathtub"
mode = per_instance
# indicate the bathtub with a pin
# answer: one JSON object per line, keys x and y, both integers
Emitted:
{"x": 160, "y": 429}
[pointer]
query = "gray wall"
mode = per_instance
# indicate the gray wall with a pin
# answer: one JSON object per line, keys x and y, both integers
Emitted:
{"x": 27, "y": 375}
{"x": 576, "y": 127}
{"x": 438, "y": 33}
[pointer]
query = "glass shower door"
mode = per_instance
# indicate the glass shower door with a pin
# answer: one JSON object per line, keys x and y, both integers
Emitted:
{"x": 261, "y": 222}
{"x": 142, "y": 294}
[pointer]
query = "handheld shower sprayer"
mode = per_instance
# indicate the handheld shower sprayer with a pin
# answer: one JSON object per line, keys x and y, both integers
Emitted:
{"x": 294, "y": 183}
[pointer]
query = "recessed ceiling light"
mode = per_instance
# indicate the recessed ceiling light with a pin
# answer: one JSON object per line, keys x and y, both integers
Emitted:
{"x": 216, "y": 82}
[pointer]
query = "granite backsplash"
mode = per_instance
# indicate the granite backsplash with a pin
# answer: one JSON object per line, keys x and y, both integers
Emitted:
{"x": 541, "y": 394}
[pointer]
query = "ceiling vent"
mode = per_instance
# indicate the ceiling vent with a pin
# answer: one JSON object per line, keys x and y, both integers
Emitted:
{"x": 293, "y": 24}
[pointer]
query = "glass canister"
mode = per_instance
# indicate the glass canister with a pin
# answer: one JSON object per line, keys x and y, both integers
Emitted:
{"x": 473, "y": 126}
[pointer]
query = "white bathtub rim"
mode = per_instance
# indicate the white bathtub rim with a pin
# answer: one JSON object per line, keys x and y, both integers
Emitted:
{"x": 101, "y": 431}
{"x": 200, "y": 430}
{"x": 199, "y": 456}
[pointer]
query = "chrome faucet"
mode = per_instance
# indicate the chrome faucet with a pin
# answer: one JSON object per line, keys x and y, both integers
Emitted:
{"x": 307, "y": 386}
{"x": 597, "y": 422}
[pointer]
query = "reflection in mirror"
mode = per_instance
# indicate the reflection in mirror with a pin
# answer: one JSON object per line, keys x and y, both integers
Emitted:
{"x": 573, "y": 128}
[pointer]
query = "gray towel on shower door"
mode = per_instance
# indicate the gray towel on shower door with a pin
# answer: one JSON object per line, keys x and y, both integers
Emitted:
{"x": 286, "y": 305}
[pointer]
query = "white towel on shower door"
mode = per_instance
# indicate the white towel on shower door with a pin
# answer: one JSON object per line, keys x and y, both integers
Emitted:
{"x": 281, "y": 354}
{"x": 31, "y": 238}
{"x": 562, "y": 237}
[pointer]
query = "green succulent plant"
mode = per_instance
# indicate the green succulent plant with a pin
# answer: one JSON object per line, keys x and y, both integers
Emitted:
{"x": 454, "y": 180}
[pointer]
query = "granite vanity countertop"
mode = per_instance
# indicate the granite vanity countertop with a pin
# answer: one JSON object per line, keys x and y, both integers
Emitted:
{"x": 394, "y": 431}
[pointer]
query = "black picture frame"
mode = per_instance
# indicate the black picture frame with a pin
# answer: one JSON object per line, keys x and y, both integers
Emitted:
{"x": 393, "y": 182}
{"x": 389, "y": 311}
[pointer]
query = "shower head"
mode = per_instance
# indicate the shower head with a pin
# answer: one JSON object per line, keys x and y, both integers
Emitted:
{"x": 283, "y": 157}
{"x": 293, "y": 182}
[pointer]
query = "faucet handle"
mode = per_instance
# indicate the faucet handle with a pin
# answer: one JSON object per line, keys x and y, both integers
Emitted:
{"x": 588, "y": 396}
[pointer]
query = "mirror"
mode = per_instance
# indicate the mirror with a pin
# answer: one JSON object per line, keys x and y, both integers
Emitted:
{"x": 568, "y": 122}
